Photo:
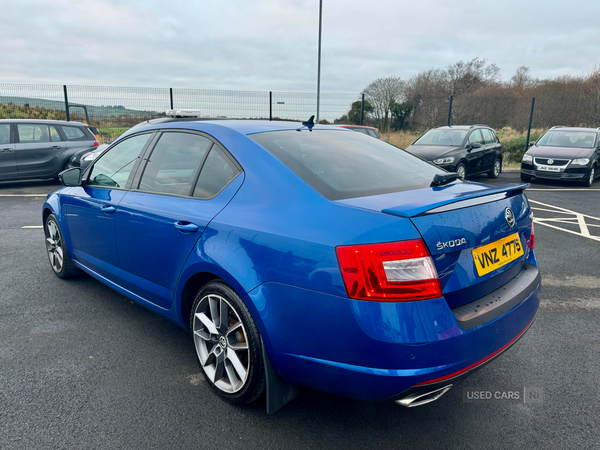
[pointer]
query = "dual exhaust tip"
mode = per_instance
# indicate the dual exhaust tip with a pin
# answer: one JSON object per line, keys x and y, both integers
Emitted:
{"x": 422, "y": 398}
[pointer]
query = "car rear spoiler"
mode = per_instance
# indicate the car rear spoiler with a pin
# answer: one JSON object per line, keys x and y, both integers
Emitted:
{"x": 447, "y": 201}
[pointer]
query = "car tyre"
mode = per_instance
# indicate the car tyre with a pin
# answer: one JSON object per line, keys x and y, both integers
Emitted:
{"x": 461, "y": 170}
{"x": 229, "y": 352}
{"x": 590, "y": 177}
{"x": 58, "y": 255}
{"x": 496, "y": 169}
{"x": 525, "y": 178}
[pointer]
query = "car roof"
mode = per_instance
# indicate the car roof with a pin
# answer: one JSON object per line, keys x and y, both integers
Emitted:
{"x": 53, "y": 122}
{"x": 241, "y": 126}
{"x": 573, "y": 129}
{"x": 357, "y": 126}
{"x": 462, "y": 127}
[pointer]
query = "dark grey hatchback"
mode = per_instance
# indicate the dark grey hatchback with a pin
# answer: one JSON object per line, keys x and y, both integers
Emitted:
{"x": 464, "y": 149}
{"x": 564, "y": 153}
{"x": 40, "y": 148}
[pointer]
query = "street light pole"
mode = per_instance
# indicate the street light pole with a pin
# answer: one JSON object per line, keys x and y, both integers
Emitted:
{"x": 319, "y": 63}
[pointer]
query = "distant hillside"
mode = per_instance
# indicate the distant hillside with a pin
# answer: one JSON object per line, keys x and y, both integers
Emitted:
{"x": 105, "y": 116}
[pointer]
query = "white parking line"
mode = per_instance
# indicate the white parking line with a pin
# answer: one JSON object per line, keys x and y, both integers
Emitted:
{"x": 23, "y": 195}
{"x": 33, "y": 226}
{"x": 576, "y": 218}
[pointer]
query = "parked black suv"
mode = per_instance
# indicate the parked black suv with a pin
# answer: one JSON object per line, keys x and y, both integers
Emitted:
{"x": 464, "y": 149}
{"x": 564, "y": 153}
{"x": 40, "y": 148}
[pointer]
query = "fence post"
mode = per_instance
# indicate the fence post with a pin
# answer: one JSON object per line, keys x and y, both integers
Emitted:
{"x": 270, "y": 105}
{"x": 66, "y": 103}
{"x": 450, "y": 110}
{"x": 171, "y": 95}
{"x": 362, "y": 109}
{"x": 530, "y": 120}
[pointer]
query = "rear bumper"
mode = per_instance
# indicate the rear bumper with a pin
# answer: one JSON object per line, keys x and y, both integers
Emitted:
{"x": 376, "y": 351}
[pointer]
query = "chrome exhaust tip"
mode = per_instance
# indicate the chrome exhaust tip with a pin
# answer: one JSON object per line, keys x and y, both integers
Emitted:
{"x": 422, "y": 398}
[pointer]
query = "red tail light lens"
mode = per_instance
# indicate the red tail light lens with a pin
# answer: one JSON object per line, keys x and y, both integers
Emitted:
{"x": 394, "y": 271}
{"x": 531, "y": 241}
{"x": 96, "y": 144}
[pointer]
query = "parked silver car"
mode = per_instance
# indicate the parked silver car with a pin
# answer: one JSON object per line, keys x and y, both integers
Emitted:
{"x": 40, "y": 148}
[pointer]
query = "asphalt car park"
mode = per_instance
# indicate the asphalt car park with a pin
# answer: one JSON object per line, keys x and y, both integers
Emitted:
{"x": 84, "y": 367}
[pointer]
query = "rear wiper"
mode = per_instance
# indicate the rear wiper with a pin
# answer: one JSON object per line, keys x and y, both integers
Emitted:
{"x": 439, "y": 179}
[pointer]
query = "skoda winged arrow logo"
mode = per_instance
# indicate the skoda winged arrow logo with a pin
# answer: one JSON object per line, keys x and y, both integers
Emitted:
{"x": 510, "y": 217}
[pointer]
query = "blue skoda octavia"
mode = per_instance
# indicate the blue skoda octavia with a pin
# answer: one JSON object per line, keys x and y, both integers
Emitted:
{"x": 303, "y": 255}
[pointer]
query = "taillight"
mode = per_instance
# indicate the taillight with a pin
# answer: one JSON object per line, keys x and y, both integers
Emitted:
{"x": 531, "y": 241}
{"x": 96, "y": 144}
{"x": 394, "y": 271}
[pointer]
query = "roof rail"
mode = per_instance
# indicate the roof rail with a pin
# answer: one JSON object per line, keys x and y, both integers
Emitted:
{"x": 183, "y": 113}
{"x": 558, "y": 126}
{"x": 480, "y": 125}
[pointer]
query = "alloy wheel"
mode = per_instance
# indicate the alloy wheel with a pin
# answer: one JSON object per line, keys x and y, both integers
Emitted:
{"x": 221, "y": 343}
{"x": 461, "y": 171}
{"x": 54, "y": 246}
{"x": 496, "y": 168}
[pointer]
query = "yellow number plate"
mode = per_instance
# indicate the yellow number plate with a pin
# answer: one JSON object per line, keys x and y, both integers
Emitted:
{"x": 494, "y": 255}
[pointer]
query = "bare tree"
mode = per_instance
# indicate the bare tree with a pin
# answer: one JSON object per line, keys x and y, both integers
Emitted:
{"x": 467, "y": 77}
{"x": 522, "y": 80}
{"x": 427, "y": 91}
{"x": 383, "y": 94}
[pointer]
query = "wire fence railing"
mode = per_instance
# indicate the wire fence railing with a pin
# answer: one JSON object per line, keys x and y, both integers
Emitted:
{"x": 123, "y": 107}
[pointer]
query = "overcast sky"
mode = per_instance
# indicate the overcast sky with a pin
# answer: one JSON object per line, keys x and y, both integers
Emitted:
{"x": 272, "y": 45}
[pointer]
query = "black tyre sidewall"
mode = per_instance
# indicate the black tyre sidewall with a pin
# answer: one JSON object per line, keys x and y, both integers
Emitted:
{"x": 255, "y": 385}
{"x": 525, "y": 178}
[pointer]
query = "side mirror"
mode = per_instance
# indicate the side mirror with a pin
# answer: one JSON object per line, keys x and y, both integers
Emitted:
{"x": 70, "y": 177}
{"x": 473, "y": 145}
{"x": 532, "y": 142}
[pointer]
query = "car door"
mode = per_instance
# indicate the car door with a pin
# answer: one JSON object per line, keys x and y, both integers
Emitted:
{"x": 90, "y": 208}
{"x": 184, "y": 182}
{"x": 38, "y": 151}
{"x": 491, "y": 149}
{"x": 8, "y": 165}
{"x": 475, "y": 154}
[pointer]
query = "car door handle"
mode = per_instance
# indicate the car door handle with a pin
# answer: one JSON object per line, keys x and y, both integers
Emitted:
{"x": 186, "y": 226}
{"x": 55, "y": 146}
{"x": 6, "y": 150}
{"x": 108, "y": 209}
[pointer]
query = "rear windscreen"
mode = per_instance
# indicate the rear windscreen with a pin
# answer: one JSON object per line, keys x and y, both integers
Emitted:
{"x": 342, "y": 165}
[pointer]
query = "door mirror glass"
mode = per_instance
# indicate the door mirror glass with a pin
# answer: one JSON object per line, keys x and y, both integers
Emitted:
{"x": 70, "y": 177}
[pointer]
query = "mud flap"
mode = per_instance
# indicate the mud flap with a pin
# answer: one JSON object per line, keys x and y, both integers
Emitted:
{"x": 279, "y": 391}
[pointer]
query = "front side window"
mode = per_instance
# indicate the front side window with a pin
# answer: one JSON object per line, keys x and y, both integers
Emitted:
{"x": 342, "y": 165}
{"x": 442, "y": 137}
{"x": 32, "y": 133}
{"x": 488, "y": 137}
{"x": 476, "y": 137}
{"x": 4, "y": 134}
{"x": 114, "y": 167}
{"x": 174, "y": 162}
{"x": 575, "y": 139}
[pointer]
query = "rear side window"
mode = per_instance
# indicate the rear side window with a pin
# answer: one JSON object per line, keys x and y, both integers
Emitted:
{"x": 174, "y": 163}
{"x": 31, "y": 133}
{"x": 75, "y": 133}
{"x": 113, "y": 168}
{"x": 4, "y": 134}
{"x": 217, "y": 172}
{"x": 342, "y": 165}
